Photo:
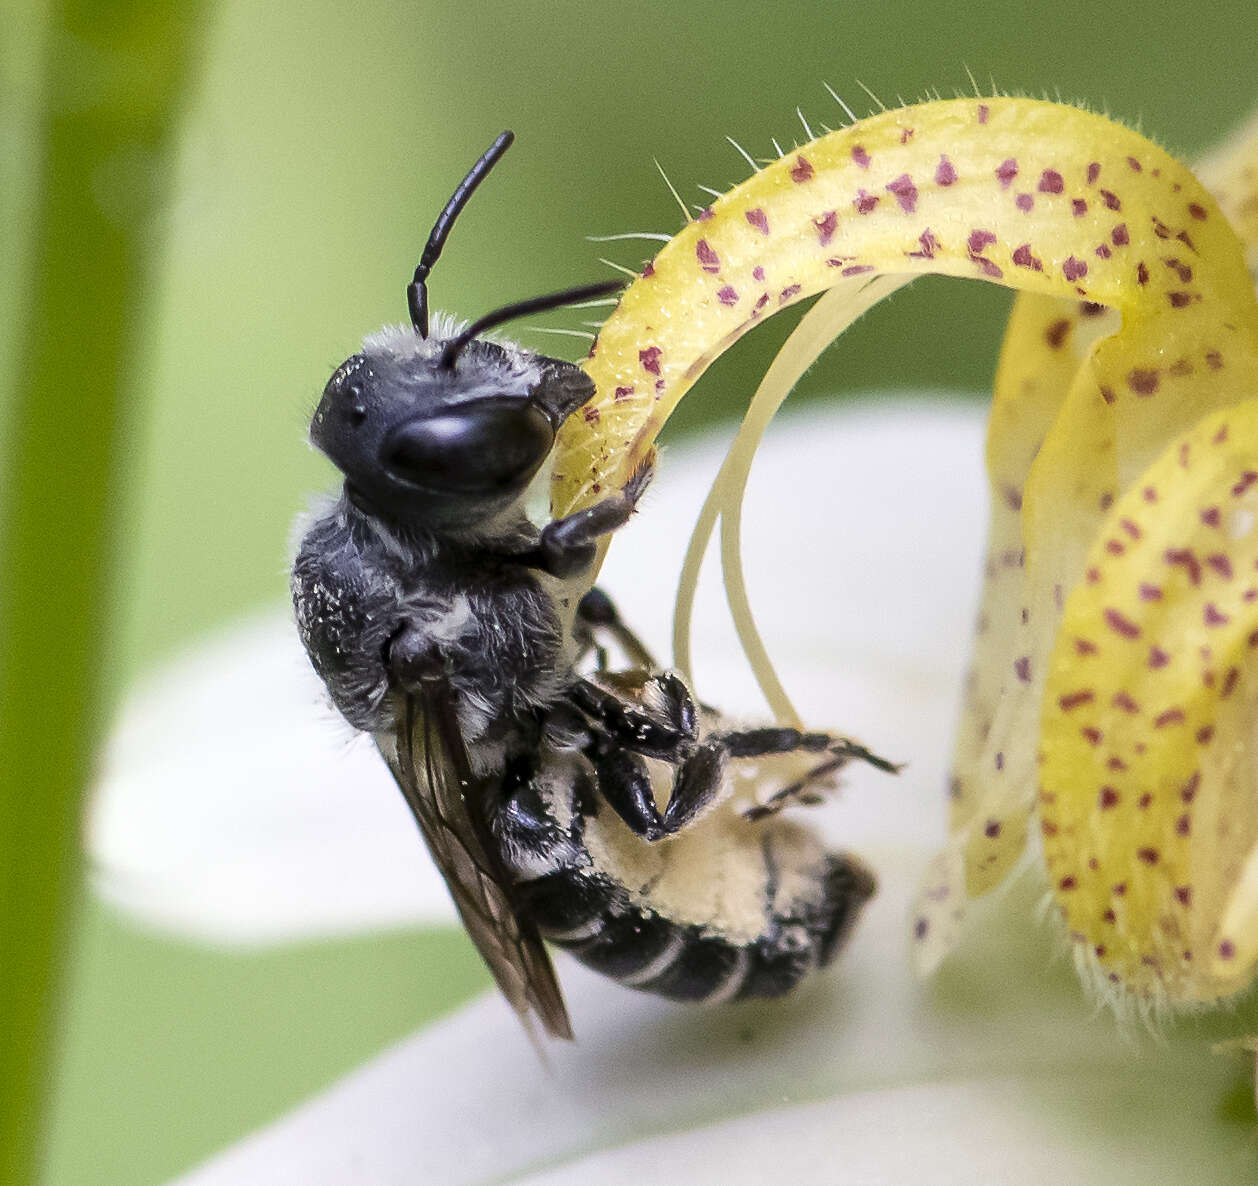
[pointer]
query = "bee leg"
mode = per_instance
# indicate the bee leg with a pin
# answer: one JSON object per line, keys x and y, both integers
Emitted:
{"x": 595, "y": 613}
{"x": 700, "y": 778}
{"x": 698, "y": 786}
{"x": 668, "y": 729}
{"x": 804, "y": 791}
{"x": 759, "y": 743}
{"x": 568, "y": 545}
{"x": 625, "y": 783}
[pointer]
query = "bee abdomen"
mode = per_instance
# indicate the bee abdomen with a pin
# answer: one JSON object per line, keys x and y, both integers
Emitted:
{"x": 594, "y": 918}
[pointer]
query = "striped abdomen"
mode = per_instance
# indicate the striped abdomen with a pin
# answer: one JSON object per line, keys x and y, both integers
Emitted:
{"x": 619, "y": 905}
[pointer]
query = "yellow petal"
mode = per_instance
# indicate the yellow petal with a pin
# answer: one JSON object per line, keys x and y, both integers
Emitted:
{"x": 1158, "y": 378}
{"x": 1061, "y": 203}
{"x": 1019, "y": 192}
{"x": 1148, "y": 804}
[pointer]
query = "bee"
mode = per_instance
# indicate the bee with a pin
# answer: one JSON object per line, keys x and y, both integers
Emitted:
{"x": 470, "y": 644}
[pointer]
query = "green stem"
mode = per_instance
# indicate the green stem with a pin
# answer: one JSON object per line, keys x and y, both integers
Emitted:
{"x": 115, "y": 78}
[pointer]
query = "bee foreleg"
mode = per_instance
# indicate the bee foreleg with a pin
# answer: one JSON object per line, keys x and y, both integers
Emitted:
{"x": 568, "y": 545}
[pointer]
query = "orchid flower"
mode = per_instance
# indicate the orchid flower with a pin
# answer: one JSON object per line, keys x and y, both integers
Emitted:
{"x": 863, "y": 535}
{"x": 1109, "y": 706}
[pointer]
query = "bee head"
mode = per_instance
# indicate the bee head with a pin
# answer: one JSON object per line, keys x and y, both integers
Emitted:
{"x": 439, "y": 445}
{"x": 445, "y": 431}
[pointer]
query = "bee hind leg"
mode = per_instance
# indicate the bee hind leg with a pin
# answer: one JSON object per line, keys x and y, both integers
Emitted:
{"x": 625, "y": 783}
{"x": 806, "y": 790}
{"x": 699, "y": 782}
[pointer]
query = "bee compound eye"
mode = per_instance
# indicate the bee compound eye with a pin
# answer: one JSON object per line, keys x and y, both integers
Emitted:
{"x": 491, "y": 446}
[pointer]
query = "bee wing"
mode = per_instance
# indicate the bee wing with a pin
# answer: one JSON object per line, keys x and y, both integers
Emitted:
{"x": 432, "y": 768}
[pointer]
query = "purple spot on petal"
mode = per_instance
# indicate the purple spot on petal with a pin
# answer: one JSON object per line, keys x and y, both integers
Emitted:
{"x": 945, "y": 174}
{"x": 929, "y": 245}
{"x": 905, "y": 192}
{"x": 1074, "y": 269}
{"x": 860, "y": 157}
{"x": 1213, "y": 616}
{"x": 1006, "y": 171}
{"x": 1022, "y": 258}
{"x": 1120, "y": 624}
{"x": 801, "y": 171}
{"x": 758, "y": 219}
{"x": 1050, "y": 182}
{"x": 709, "y": 261}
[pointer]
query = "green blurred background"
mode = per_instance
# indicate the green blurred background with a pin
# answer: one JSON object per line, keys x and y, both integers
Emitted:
{"x": 319, "y": 144}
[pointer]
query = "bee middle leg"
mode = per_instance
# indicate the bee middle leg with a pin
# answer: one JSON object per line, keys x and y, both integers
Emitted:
{"x": 596, "y": 619}
{"x": 659, "y": 721}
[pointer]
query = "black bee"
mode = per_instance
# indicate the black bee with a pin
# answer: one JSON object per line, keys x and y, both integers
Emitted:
{"x": 456, "y": 632}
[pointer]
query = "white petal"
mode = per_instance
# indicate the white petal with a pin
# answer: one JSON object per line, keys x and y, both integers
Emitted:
{"x": 235, "y": 807}
{"x": 1032, "y": 1131}
{"x": 998, "y": 1068}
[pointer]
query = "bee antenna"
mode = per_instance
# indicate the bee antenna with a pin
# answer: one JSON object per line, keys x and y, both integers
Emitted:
{"x": 417, "y": 290}
{"x": 541, "y": 304}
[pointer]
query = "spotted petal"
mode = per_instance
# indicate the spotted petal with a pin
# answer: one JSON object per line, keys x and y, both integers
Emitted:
{"x": 1042, "y": 436}
{"x": 1147, "y": 801}
{"x": 1028, "y": 194}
